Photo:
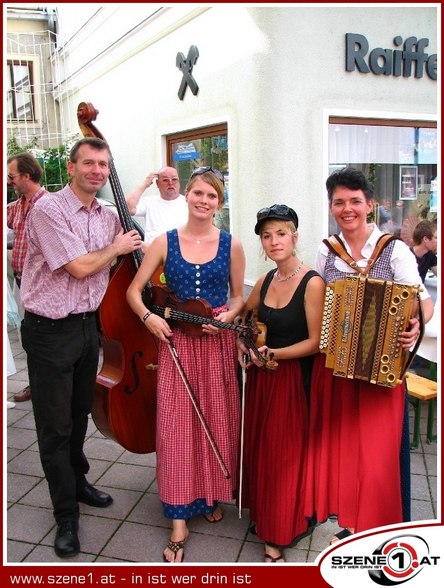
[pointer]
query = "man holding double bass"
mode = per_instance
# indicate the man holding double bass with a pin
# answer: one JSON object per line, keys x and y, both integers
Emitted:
{"x": 72, "y": 242}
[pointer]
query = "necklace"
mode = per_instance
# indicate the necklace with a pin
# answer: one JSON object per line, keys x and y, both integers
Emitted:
{"x": 198, "y": 241}
{"x": 277, "y": 275}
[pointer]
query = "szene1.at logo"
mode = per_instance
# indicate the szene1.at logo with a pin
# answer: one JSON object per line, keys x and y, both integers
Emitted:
{"x": 395, "y": 561}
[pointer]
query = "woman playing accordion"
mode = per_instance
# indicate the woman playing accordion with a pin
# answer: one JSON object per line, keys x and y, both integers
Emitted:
{"x": 357, "y": 427}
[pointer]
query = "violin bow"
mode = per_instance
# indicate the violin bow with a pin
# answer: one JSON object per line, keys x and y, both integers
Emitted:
{"x": 241, "y": 458}
{"x": 176, "y": 360}
{"x": 246, "y": 357}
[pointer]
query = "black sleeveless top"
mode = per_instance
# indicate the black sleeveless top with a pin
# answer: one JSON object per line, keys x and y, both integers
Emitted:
{"x": 287, "y": 325}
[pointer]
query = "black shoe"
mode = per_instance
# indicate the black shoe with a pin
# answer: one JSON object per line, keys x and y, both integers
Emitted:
{"x": 67, "y": 542}
{"x": 90, "y": 495}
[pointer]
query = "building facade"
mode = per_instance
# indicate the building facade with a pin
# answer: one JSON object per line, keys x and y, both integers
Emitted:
{"x": 276, "y": 97}
{"x": 31, "y": 110}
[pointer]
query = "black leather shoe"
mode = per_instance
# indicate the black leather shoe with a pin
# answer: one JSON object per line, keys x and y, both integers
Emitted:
{"x": 67, "y": 542}
{"x": 93, "y": 497}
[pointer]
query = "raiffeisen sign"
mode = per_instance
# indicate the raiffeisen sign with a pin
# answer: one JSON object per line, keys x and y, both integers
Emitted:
{"x": 390, "y": 62}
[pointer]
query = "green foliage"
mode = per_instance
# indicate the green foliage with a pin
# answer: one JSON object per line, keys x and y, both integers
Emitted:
{"x": 372, "y": 178}
{"x": 53, "y": 162}
{"x": 13, "y": 147}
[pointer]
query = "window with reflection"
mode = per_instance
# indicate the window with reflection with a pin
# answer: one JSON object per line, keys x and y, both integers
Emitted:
{"x": 400, "y": 160}
{"x": 201, "y": 147}
{"x": 20, "y": 100}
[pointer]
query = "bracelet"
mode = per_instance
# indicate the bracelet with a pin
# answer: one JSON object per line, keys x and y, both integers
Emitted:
{"x": 145, "y": 316}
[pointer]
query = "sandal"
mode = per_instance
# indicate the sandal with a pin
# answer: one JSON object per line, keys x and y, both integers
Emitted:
{"x": 341, "y": 535}
{"x": 175, "y": 546}
{"x": 210, "y": 518}
{"x": 270, "y": 559}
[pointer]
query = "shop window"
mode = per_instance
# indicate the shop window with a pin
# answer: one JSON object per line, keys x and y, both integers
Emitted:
{"x": 400, "y": 160}
{"x": 199, "y": 147}
{"x": 20, "y": 99}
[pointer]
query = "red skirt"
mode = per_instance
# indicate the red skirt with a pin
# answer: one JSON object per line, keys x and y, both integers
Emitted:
{"x": 276, "y": 429}
{"x": 353, "y": 468}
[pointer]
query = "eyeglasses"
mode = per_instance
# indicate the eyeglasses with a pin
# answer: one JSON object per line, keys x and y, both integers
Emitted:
{"x": 207, "y": 168}
{"x": 169, "y": 180}
{"x": 281, "y": 209}
{"x": 12, "y": 176}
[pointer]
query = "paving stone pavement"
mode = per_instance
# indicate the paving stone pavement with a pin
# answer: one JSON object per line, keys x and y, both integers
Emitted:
{"x": 133, "y": 528}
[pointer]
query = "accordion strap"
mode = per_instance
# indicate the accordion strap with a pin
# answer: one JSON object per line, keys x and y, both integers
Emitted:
{"x": 413, "y": 351}
{"x": 336, "y": 246}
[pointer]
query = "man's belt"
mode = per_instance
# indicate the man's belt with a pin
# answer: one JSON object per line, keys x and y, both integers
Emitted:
{"x": 44, "y": 319}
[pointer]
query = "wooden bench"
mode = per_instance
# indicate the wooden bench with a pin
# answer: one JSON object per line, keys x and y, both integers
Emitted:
{"x": 422, "y": 389}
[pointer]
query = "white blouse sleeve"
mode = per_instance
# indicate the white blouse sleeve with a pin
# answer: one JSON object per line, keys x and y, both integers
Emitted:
{"x": 405, "y": 267}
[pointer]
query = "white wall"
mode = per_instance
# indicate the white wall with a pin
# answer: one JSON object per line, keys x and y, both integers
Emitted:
{"x": 271, "y": 73}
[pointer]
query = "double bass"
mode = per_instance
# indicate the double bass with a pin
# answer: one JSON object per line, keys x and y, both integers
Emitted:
{"x": 124, "y": 407}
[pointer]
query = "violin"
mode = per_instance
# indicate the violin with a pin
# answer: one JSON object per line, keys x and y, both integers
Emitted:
{"x": 191, "y": 314}
{"x": 254, "y": 338}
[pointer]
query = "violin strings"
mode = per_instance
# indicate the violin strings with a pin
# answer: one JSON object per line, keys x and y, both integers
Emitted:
{"x": 244, "y": 331}
{"x": 197, "y": 319}
{"x": 122, "y": 207}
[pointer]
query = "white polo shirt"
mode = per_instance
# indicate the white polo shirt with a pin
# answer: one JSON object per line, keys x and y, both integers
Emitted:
{"x": 161, "y": 215}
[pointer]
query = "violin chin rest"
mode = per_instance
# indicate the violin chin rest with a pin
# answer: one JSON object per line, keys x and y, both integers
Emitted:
{"x": 147, "y": 296}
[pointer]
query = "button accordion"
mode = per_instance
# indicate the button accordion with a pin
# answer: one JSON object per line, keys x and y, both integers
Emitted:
{"x": 362, "y": 320}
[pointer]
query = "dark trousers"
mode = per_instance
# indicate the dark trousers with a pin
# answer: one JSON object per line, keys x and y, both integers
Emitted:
{"x": 62, "y": 366}
{"x": 405, "y": 464}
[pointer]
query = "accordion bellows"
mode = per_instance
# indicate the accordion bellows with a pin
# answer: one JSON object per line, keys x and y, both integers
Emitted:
{"x": 362, "y": 320}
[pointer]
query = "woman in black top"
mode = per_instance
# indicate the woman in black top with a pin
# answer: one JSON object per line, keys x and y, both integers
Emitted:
{"x": 289, "y": 301}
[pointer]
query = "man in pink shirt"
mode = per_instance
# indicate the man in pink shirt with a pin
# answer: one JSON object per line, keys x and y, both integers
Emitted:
{"x": 72, "y": 242}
